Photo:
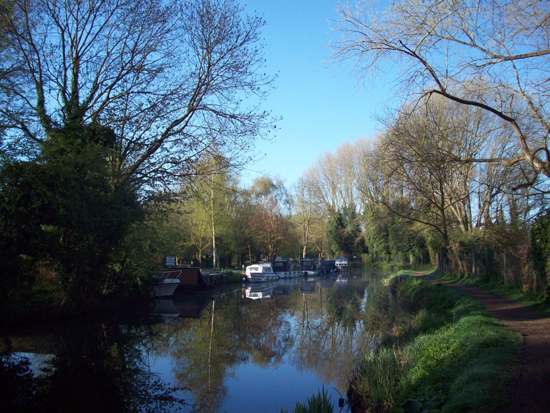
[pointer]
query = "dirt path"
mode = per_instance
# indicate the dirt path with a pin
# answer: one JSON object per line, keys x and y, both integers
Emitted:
{"x": 531, "y": 391}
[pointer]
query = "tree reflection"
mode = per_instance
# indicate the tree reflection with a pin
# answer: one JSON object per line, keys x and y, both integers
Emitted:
{"x": 344, "y": 304}
{"x": 18, "y": 385}
{"x": 231, "y": 331}
{"x": 99, "y": 367}
{"x": 321, "y": 330}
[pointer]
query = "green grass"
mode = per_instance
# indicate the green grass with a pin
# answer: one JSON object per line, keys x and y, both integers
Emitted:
{"x": 451, "y": 356}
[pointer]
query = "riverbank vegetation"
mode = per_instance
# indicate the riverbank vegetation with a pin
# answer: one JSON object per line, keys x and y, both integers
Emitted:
{"x": 450, "y": 355}
{"x": 107, "y": 169}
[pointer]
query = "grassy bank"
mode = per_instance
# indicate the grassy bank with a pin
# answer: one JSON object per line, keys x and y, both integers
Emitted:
{"x": 449, "y": 356}
{"x": 393, "y": 266}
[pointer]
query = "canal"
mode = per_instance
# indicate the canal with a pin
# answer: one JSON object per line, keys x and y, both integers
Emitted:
{"x": 249, "y": 348}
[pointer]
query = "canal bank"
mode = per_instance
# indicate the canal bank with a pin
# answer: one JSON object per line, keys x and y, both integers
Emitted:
{"x": 449, "y": 355}
{"x": 531, "y": 379}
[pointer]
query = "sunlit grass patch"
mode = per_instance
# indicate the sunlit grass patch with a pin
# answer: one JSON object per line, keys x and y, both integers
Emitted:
{"x": 452, "y": 356}
{"x": 380, "y": 378}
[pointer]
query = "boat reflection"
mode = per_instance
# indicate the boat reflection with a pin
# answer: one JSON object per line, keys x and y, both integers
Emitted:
{"x": 164, "y": 311}
{"x": 308, "y": 286}
{"x": 260, "y": 291}
{"x": 182, "y": 306}
{"x": 282, "y": 288}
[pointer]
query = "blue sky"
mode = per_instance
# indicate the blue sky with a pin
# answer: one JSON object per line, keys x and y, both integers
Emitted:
{"x": 322, "y": 105}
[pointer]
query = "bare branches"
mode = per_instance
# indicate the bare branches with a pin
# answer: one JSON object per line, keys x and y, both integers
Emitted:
{"x": 488, "y": 54}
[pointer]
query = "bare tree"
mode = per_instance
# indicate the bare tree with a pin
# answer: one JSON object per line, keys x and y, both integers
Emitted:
{"x": 490, "y": 54}
{"x": 332, "y": 178}
{"x": 418, "y": 157}
{"x": 172, "y": 79}
{"x": 306, "y": 212}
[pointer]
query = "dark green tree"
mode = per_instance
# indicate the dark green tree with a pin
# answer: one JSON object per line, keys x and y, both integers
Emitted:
{"x": 540, "y": 246}
{"x": 63, "y": 210}
{"x": 344, "y": 232}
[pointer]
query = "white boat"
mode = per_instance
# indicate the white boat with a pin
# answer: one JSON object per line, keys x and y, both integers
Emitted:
{"x": 166, "y": 283}
{"x": 261, "y": 272}
{"x": 342, "y": 263}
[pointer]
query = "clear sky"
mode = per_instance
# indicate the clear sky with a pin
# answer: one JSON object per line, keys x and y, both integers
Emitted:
{"x": 322, "y": 105}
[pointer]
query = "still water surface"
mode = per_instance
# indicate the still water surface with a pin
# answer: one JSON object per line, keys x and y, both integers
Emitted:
{"x": 253, "y": 348}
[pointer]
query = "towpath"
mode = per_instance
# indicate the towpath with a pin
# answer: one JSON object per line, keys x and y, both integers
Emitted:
{"x": 531, "y": 391}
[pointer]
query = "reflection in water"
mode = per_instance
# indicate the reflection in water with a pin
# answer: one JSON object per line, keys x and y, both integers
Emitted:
{"x": 259, "y": 348}
{"x": 92, "y": 367}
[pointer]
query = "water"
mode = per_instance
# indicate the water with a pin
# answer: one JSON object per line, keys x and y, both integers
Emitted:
{"x": 257, "y": 348}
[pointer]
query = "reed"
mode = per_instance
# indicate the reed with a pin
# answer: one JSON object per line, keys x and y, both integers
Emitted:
{"x": 318, "y": 403}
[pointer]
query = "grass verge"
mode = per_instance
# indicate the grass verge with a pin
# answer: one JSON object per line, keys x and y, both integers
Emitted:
{"x": 450, "y": 356}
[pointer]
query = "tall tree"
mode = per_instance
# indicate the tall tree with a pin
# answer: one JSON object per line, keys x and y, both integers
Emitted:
{"x": 306, "y": 211}
{"x": 270, "y": 220}
{"x": 101, "y": 101}
{"x": 170, "y": 78}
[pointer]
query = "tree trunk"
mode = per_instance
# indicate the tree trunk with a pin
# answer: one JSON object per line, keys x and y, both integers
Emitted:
{"x": 214, "y": 254}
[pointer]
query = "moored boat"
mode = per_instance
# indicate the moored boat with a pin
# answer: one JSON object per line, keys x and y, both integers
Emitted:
{"x": 308, "y": 267}
{"x": 341, "y": 263}
{"x": 286, "y": 268}
{"x": 261, "y": 272}
{"x": 166, "y": 283}
{"x": 327, "y": 267}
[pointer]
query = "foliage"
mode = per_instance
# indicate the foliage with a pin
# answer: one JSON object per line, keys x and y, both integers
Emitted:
{"x": 102, "y": 104}
{"x": 540, "y": 245}
{"x": 344, "y": 232}
{"x": 269, "y": 222}
{"x": 392, "y": 239}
